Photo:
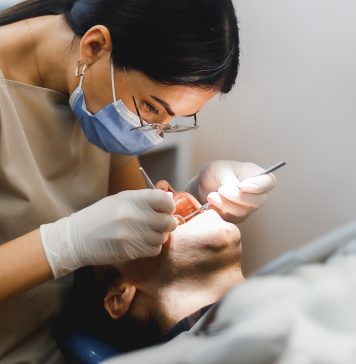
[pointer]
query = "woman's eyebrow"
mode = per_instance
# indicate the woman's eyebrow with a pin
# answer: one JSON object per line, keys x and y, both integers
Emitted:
{"x": 168, "y": 107}
{"x": 165, "y": 105}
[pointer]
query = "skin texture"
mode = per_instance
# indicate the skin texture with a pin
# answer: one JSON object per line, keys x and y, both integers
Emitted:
{"x": 200, "y": 262}
{"x": 49, "y": 59}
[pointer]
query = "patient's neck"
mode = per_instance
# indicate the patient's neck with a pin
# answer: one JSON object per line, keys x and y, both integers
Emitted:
{"x": 183, "y": 298}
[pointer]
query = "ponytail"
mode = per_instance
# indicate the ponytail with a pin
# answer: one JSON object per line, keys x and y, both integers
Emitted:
{"x": 33, "y": 8}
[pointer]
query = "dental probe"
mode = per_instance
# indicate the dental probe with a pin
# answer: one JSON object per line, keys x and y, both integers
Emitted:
{"x": 148, "y": 181}
{"x": 266, "y": 171}
{"x": 272, "y": 168}
{"x": 200, "y": 209}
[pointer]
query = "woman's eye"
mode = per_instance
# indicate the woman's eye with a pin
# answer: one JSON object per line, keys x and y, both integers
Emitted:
{"x": 149, "y": 108}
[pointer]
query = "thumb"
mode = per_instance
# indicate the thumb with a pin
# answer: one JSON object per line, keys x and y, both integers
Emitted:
{"x": 215, "y": 198}
{"x": 228, "y": 176}
{"x": 259, "y": 184}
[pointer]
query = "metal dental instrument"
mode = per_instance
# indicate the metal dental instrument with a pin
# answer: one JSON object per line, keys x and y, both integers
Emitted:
{"x": 272, "y": 168}
{"x": 180, "y": 219}
{"x": 207, "y": 205}
{"x": 147, "y": 179}
{"x": 266, "y": 171}
{"x": 200, "y": 209}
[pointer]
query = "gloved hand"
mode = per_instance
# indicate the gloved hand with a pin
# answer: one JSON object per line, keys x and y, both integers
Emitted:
{"x": 125, "y": 226}
{"x": 227, "y": 186}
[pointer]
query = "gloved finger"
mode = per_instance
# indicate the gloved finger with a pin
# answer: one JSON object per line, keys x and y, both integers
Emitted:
{"x": 228, "y": 176}
{"x": 246, "y": 170}
{"x": 156, "y": 239}
{"x": 235, "y": 195}
{"x": 258, "y": 184}
{"x": 229, "y": 207}
{"x": 161, "y": 201}
{"x": 162, "y": 222}
{"x": 155, "y": 250}
{"x": 165, "y": 186}
{"x": 148, "y": 250}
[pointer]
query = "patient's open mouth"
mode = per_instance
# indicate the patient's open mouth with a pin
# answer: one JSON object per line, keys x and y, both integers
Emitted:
{"x": 185, "y": 204}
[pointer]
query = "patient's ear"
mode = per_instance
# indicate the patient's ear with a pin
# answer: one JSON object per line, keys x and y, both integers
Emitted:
{"x": 118, "y": 299}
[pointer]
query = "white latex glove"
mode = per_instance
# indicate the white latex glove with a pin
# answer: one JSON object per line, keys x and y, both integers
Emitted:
{"x": 129, "y": 225}
{"x": 227, "y": 186}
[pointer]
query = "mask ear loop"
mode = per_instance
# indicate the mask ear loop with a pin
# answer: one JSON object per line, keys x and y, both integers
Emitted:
{"x": 113, "y": 81}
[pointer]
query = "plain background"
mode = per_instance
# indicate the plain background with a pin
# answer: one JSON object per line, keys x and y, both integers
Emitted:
{"x": 294, "y": 101}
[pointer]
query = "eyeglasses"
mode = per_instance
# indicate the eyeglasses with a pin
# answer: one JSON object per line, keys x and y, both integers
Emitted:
{"x": 159, "y": 128}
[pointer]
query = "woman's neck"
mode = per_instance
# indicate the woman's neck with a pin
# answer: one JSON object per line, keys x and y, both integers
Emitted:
{"x": 39, "y": 51}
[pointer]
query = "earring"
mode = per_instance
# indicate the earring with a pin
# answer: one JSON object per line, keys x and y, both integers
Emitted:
{"x": 80, "y": 69}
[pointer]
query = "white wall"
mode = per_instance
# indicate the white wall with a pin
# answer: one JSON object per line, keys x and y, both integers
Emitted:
{"x": 294, "y": 101}
{"x": 5, "y": 3}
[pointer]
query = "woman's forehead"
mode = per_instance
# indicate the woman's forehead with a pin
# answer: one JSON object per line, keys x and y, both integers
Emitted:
{"x": 182, "y": 100}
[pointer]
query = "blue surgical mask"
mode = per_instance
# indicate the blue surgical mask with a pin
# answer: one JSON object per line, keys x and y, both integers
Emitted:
{"x": 109, "y": 128}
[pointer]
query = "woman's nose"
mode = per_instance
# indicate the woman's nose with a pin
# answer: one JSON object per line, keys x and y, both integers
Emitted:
{"x": 166, "y": 120}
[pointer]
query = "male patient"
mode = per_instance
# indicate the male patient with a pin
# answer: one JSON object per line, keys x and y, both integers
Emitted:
{"x": 164, "y": 295}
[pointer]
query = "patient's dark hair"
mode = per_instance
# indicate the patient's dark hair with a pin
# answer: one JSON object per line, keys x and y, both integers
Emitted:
{"x": 179, "y": 42}
{"x": 84, "y": 314}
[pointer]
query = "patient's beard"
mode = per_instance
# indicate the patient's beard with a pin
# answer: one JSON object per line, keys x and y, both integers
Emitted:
{"x": 185, "y": 296}
{"x": 190, "y": 261}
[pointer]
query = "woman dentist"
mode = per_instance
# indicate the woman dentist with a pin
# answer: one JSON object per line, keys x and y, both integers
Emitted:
{"x": 85, "y": 86}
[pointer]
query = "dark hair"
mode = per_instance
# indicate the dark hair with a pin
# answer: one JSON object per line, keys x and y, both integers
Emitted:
{"x": 181, "y": 42}
{"x": 84, "y": 314}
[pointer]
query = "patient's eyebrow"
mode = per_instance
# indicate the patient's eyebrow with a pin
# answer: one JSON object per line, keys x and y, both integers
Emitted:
{"x": 165, "y": 105}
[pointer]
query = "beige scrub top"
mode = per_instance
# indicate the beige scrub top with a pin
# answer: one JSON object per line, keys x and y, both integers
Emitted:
{"x": 48, "y": 170}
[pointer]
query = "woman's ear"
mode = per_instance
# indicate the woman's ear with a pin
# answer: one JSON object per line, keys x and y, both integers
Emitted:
{"x": 95, "y": 43}
{"x": 118, "y": 299}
